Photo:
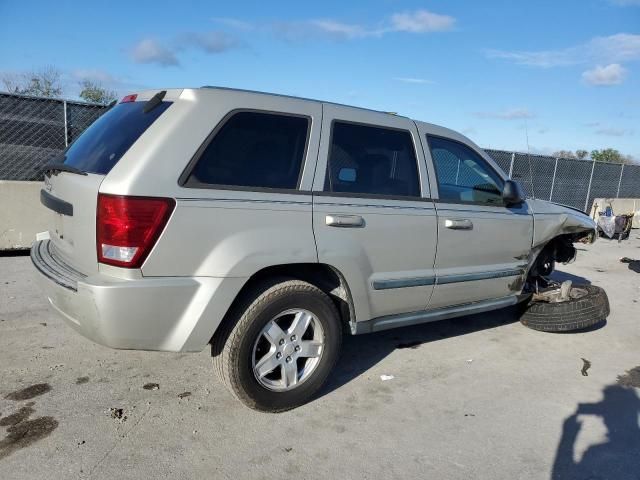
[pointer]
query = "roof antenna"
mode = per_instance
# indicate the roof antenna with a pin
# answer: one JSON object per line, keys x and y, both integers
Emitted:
{"x": 526, "y": 132}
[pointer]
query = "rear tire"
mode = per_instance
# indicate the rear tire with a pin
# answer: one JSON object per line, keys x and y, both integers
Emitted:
{"x": 246, "y": 338}
{"x": 569, "y": 315}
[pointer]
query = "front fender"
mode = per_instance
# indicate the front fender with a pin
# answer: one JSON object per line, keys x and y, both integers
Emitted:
{"x": 551, "y": 220}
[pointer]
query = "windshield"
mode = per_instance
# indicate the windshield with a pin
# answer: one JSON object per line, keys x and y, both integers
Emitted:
{"x": 102, "y": 145}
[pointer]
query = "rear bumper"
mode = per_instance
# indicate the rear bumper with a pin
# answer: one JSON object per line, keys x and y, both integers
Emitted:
{"x": 176, "y": 314}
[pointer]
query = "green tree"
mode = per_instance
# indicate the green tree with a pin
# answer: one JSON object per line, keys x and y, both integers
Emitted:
{"x": 609, "y": 155}
{"x": 42, "y": 83}
{"x": 95, "y": 92}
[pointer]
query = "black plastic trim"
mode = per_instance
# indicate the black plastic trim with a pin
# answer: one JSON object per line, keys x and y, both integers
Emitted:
{"x": 380, "y": 196}
{"x": 472, "y": 277}
{"x": 403, "y": 283}
{"x": 56, "y": 204}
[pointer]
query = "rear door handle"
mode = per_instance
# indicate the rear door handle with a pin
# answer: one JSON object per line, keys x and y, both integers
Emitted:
{"x": 461, "y": 224}
{"x": 347, "y": 221}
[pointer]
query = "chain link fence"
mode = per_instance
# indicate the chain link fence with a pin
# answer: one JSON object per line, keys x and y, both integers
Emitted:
{"x": 33, "y": 130}
{"x": 569, "y": 181}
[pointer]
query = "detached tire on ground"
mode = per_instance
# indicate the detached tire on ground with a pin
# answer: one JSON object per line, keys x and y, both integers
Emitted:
{"x": 572, "y": 314}
{"x": 278, "y": 345}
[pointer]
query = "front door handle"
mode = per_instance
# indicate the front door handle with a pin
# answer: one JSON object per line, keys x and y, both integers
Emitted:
{"x": 458, "y": 224}
{"x": 348, "y": 221}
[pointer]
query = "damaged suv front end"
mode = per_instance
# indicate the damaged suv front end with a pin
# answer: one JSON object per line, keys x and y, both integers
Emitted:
{"x": 555, "y": 229}
{"x": 548, "y": 304}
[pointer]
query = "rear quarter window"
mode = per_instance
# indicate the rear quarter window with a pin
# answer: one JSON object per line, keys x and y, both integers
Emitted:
{"x": 104, "y": 143}
{"x": 253, "y": 150}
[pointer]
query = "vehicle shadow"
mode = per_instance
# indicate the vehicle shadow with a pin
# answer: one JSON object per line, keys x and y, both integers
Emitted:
{"x": 618, "y": 457}
{"x": 361, "y": 352}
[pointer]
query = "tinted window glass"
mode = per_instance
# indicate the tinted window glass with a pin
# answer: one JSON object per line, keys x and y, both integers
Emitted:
{"x": 371, "y": 160}
{"x": 102, "y": 145}
{"x": 462, "y": 174}
{"x": 254, "y": 150}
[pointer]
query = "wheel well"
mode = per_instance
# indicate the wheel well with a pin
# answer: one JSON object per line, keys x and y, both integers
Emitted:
{"x": 325, "y": 277}
{"x": 558, "y": 249}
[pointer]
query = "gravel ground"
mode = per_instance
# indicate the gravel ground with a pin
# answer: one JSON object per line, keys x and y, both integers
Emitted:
{"x": 478, "y": 397}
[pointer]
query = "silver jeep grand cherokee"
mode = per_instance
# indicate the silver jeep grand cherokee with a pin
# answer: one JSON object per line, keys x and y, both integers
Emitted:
{"x": 268, "y": 225}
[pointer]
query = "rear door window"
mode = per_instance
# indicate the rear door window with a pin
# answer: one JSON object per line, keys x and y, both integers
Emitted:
{"x": 371, "y": 160}
{"x": 102, "y": 145}
{"x": 254, "y": 150}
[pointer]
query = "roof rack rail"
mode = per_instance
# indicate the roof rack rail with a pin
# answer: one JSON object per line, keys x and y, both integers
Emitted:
{"x": 214, "y": 87}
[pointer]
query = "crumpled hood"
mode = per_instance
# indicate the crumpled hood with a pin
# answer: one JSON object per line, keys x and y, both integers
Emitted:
{"x": 551, "y": 220}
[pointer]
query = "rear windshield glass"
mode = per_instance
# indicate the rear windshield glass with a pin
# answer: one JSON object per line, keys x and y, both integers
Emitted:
{"x": 101, "y": 145}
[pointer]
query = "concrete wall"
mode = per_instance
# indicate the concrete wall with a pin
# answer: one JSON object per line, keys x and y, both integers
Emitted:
{"x": 21, "y": 214}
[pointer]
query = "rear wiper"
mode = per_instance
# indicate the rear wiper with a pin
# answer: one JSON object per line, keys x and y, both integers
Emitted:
{"x": 55, "y": 168}
{"x": 154, "y": 101}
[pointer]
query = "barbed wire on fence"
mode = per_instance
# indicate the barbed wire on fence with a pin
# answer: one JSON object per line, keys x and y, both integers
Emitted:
{"x": 35, "y": 129}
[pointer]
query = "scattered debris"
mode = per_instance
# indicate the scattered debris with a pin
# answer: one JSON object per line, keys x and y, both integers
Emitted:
{"x": 184, "y": 395}
{"x": 195, "y": 431}
{"x": 151, "y": 386}
{"x": 469, "y": 414}
{"x": 118, "y": 414}
{"x": 288, "y": 449}
{"x": 586, "y": 365}
{"x": 384, "y": 378}
{"x": 81, "y": 443}
{"x": 44, "y": 324}
{"x": 29, "y": 392}
{"x": 81, "y": 380}
{"x": 634, "y": 265}
{"x": 414, "y": 344}
{"x": 631, "y": 378}
{"x": 469, "y": 360}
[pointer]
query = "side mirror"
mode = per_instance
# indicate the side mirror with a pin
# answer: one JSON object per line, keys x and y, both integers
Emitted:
{"x": 512, "y": 193}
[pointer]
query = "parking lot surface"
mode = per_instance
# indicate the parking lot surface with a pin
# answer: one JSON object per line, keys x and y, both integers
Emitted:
{"x": 478, "y": 397}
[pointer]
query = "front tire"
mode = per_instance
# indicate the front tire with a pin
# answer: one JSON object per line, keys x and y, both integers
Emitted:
{"x": 573, "y": 314}
{"x": 278, "y": 346}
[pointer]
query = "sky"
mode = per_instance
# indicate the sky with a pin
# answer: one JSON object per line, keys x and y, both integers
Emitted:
{"x": 564, "y": 73}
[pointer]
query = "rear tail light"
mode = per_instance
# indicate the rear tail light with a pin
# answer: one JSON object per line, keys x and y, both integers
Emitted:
{"x": 129, "y": 98}
{"x": 128, "y": 227}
